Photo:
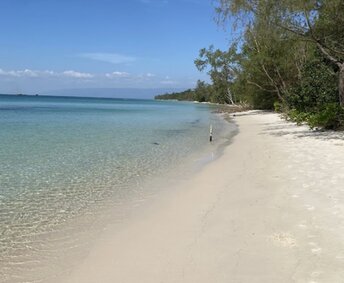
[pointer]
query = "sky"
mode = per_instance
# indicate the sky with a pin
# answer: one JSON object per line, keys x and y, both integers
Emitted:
{"x": 49, "y": 45}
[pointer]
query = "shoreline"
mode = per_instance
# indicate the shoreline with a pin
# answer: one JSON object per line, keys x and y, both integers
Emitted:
{"x": 64, "y": 196}
{"x": 269, "y": 209}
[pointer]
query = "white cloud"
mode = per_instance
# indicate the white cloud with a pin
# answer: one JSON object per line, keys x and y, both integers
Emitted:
{"x": 26, "y": 73}
{"x": 146, "y": 76}
{"x": 8, "y": 73}
{"x": 139, "y": 77}
{"x": 49, "y": 73}
{"x": 117, "y": 74}
{"x": 113, "y": 58}
{"x": 78, "y": 75}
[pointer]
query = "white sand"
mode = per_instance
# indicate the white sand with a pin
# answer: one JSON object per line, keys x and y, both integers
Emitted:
{"x": 271, "y": 209}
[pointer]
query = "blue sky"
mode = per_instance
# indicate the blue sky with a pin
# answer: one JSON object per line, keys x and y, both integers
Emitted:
{"x": 58, "y": 44}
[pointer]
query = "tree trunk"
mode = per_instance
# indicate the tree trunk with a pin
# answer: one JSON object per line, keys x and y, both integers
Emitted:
{"x": 341, "y": 84}
{"x": 230, "y": 96}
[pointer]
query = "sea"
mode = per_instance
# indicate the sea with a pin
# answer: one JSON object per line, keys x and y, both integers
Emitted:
{"x": 70, "y": 166}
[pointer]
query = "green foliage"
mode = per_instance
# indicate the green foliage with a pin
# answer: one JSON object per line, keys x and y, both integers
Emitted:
{"x": 292, "y": 57}
{"x": 278, "y": 107}
{"x": 203, "y": 92}
{"x": 184, "y": 95}
{"x": 297, "y": 116}
{"x": 331, "y": 116}
{"x": 221, "y": 67}
{"x": 317, "y": 87}
{"x": 314, "y": 99}
{"x": 263, "y": 101}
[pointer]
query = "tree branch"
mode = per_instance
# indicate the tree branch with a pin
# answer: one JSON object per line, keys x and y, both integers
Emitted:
{"x": 314, "y": 40}
{"x": 332, "y": 59}
{"x": 309, "y": 25}
{"x": 272, "y": 82}
{"x": 259, "y": 86}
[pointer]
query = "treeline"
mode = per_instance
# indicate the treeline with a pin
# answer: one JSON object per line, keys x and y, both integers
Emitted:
{"x": 183, "y": 95}
{"x": 203, "y": 92}
{"x": 289, "y": 56}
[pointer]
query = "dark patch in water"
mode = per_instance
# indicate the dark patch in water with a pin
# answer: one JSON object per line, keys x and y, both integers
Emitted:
{"x": 195, "y": 122}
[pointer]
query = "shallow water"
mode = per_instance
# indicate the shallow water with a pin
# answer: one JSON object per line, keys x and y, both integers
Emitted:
{"x": 65, "y": 161}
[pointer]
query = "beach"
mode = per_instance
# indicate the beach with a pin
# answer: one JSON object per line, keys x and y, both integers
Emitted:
{"x": 270, "y": 209}
{"x": 73, "y": 166}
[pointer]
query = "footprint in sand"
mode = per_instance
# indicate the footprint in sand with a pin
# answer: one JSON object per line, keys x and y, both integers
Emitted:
{"x": 316, "y": 273}
{"x": 283, "y": 239}
{"x": 316, "y": 249}
{"x": 302, "y": 226}
{"x": 310, "y": 207}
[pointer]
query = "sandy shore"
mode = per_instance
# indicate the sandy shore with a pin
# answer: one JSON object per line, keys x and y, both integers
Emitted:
{"x": 270, "y": 209}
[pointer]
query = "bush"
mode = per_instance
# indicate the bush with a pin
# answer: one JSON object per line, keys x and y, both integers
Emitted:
{"x": 278, "y": 107}
{"x": 317, "y": 88}
{"x": 297, "y": 116}
{"x": 330, "y": 117}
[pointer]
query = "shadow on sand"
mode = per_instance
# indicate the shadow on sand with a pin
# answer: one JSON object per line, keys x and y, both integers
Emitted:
{"x": 284, "y": 128}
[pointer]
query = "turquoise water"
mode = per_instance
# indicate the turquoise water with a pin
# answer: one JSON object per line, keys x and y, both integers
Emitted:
{"x": 64, "y": 161}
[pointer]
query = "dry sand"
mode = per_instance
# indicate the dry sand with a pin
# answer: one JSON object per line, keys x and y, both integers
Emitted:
{"x": 270, "y": 209}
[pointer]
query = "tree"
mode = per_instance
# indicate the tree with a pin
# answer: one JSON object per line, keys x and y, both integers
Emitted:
{"x": 221, "y": 66}
{"x": 270, "y": 59}
{"x": 202, "y": 91}
{"x": 318, "y": 22}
